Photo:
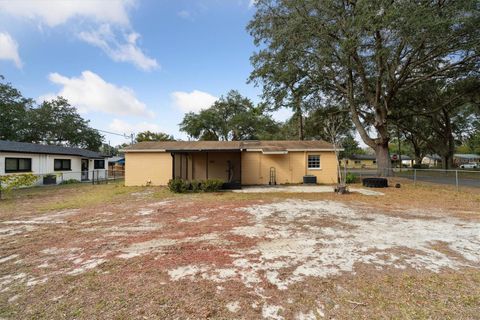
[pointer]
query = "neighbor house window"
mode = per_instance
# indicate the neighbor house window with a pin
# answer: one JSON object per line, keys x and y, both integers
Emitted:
{"x": 18, "y": 165}
{"x": 314, "y": 161}
{"x": 99, "y": 164}
{"x": 374, "y": 161}
{"x": 62, "y": 164}
{"x": 358, "y": 161}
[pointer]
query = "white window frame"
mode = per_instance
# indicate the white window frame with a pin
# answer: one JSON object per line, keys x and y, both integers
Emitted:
{"x": 319, "y": 162}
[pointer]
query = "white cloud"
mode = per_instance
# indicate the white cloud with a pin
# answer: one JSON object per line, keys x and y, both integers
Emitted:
{"x": 90, "y": 93}
{"x": 121, "y": 126}
{"x": 126, "y": 51}
{"x": 57, "y": 12}
{"x": 184, "y": 14}
{"x": 9, "y": 49}
{"x": 114, "y": 36}
{"x": 193, "y": 101}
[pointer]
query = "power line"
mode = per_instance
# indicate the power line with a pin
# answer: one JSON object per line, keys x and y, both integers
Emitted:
{"x": 131, "y": 136}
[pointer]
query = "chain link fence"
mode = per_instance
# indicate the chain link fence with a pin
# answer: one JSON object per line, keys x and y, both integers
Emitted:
{"x": 454, "y": 177}
{"x": 70, "y": 177}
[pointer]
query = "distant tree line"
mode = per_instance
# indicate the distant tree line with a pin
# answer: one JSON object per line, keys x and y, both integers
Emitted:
{"x": 53, "y": 122}
{"x": 235, "y": 117}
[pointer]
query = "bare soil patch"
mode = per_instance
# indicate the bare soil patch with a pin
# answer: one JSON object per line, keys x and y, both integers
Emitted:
{"x": 145, "y": 253}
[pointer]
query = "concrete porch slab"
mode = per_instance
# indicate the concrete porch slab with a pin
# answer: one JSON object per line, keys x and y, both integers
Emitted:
{"x": 303, "y": 189}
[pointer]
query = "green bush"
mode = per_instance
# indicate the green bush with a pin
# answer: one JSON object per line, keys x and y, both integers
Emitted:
{"x": 178, "y": 185}
{"x": 420, "y": 166}
{"x": 12, "y": 181}
{"x": 196, "y": 185}
{"x": 351, "y": 178}
{"x": 212, "y": 185}
{"x": 182, "y": 186}
{"x": 70, "y": 181}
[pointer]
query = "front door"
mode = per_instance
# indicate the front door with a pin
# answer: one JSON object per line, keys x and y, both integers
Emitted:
{"x": 84, "y": 169}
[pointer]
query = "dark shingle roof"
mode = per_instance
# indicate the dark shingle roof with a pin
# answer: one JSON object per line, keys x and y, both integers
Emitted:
{"x": 227, "y": 145}
{"x": 363, "y": 157}
{"x": 25, "y": 147}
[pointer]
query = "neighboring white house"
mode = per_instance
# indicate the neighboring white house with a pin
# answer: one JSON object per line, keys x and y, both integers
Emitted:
{"x": 432, "y": 160}
{"x": 462, "y": 158}
{"x": 56, "y": 162}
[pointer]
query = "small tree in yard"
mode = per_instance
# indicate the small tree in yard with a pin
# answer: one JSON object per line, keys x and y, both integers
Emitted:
{"x": 10, "y": 182}
{"x": 335, "y": 123}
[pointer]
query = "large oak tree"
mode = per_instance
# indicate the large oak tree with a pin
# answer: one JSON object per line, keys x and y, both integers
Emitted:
{"x": 232, "y": 117}
{"x": 51, "y": 122}
{"x": 365, "y": 53}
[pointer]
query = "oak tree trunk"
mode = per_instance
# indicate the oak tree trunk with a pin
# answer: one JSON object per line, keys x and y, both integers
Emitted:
{"x": 384, "y": 164}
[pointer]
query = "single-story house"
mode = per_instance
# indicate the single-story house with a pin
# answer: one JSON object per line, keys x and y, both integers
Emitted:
{"x": 432, "y": 160}
{"x": 462, "y": 158}
{"x": 62, "y": 162}
{"x": 360, "y": 161}
{"x": 236, "y": 162}
{"x": 369, "y": 161}
{"x": 407, "y": 161}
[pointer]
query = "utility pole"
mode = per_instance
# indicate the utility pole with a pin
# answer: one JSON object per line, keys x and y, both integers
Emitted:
{"x": 132, "y": 137}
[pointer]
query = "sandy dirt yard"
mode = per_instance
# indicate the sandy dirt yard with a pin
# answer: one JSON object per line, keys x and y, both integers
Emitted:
{"x": 111, "y": 252}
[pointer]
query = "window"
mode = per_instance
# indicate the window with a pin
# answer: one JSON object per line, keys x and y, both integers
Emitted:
{"x": 18, "y": 164}
{"x": 62, "y": 164}
{"x": 99, "y": 164}
{"x": 358, "y": 161}
{"x": 374, "y": 161}
{"x": 314, "y": 161}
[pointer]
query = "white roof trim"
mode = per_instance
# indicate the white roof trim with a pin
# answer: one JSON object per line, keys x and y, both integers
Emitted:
{"x": 248, "y": 150}
{"x": 275, "y": 152}
{"x": 293, "y": 150}
{"x": 309, "y": 150}
{"x": 144, "y": 150}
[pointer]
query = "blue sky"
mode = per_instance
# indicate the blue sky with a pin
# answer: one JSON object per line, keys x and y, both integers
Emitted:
{"x": 128, "y": 65}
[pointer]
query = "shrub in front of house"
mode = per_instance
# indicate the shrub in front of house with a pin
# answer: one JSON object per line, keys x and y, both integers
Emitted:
{"x": 182, "y": 186}
{"x": 196, "y": 185}
{"x": 212, "y": 185}
{"x": 13, "y": 181}
{"x": 70, "y": 181}
{"x": 178, "y": 185}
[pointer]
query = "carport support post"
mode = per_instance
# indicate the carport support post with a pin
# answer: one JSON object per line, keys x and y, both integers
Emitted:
{"x": 414, "y": 177}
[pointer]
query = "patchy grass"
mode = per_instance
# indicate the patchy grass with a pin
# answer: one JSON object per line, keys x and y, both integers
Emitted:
{"x": 109, "y": 251}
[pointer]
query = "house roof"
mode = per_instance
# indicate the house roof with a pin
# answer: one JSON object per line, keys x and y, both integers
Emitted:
{"x": 115, "y": 159}
{"x": 433, "y": 156}
{"x": 363, "y": 157}
{"x": 25, "y": 147}
{"x": 466, "y": 156}
{"x": 260, "y": 145}
{"x": 373, "y": 157}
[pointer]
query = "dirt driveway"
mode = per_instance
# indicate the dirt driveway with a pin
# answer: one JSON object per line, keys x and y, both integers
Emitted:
{"x": 148, "y": 254}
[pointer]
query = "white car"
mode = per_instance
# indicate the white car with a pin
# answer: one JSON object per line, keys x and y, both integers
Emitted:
{"x": 471, "y": 165}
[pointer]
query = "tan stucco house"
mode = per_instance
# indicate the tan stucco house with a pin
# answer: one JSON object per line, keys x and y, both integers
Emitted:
{"x": 241, "y": 162}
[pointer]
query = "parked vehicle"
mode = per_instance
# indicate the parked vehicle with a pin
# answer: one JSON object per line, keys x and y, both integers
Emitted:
{"x": 471, "y": 165}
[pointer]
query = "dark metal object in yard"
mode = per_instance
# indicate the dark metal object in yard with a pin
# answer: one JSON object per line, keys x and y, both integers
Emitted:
{"x": 397, "y": 185}
{"x": 309, "y": 179}
{"x": 232, "y": 186}
{"x": 50, "y": 179}
{"x": 375, "y": 182}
